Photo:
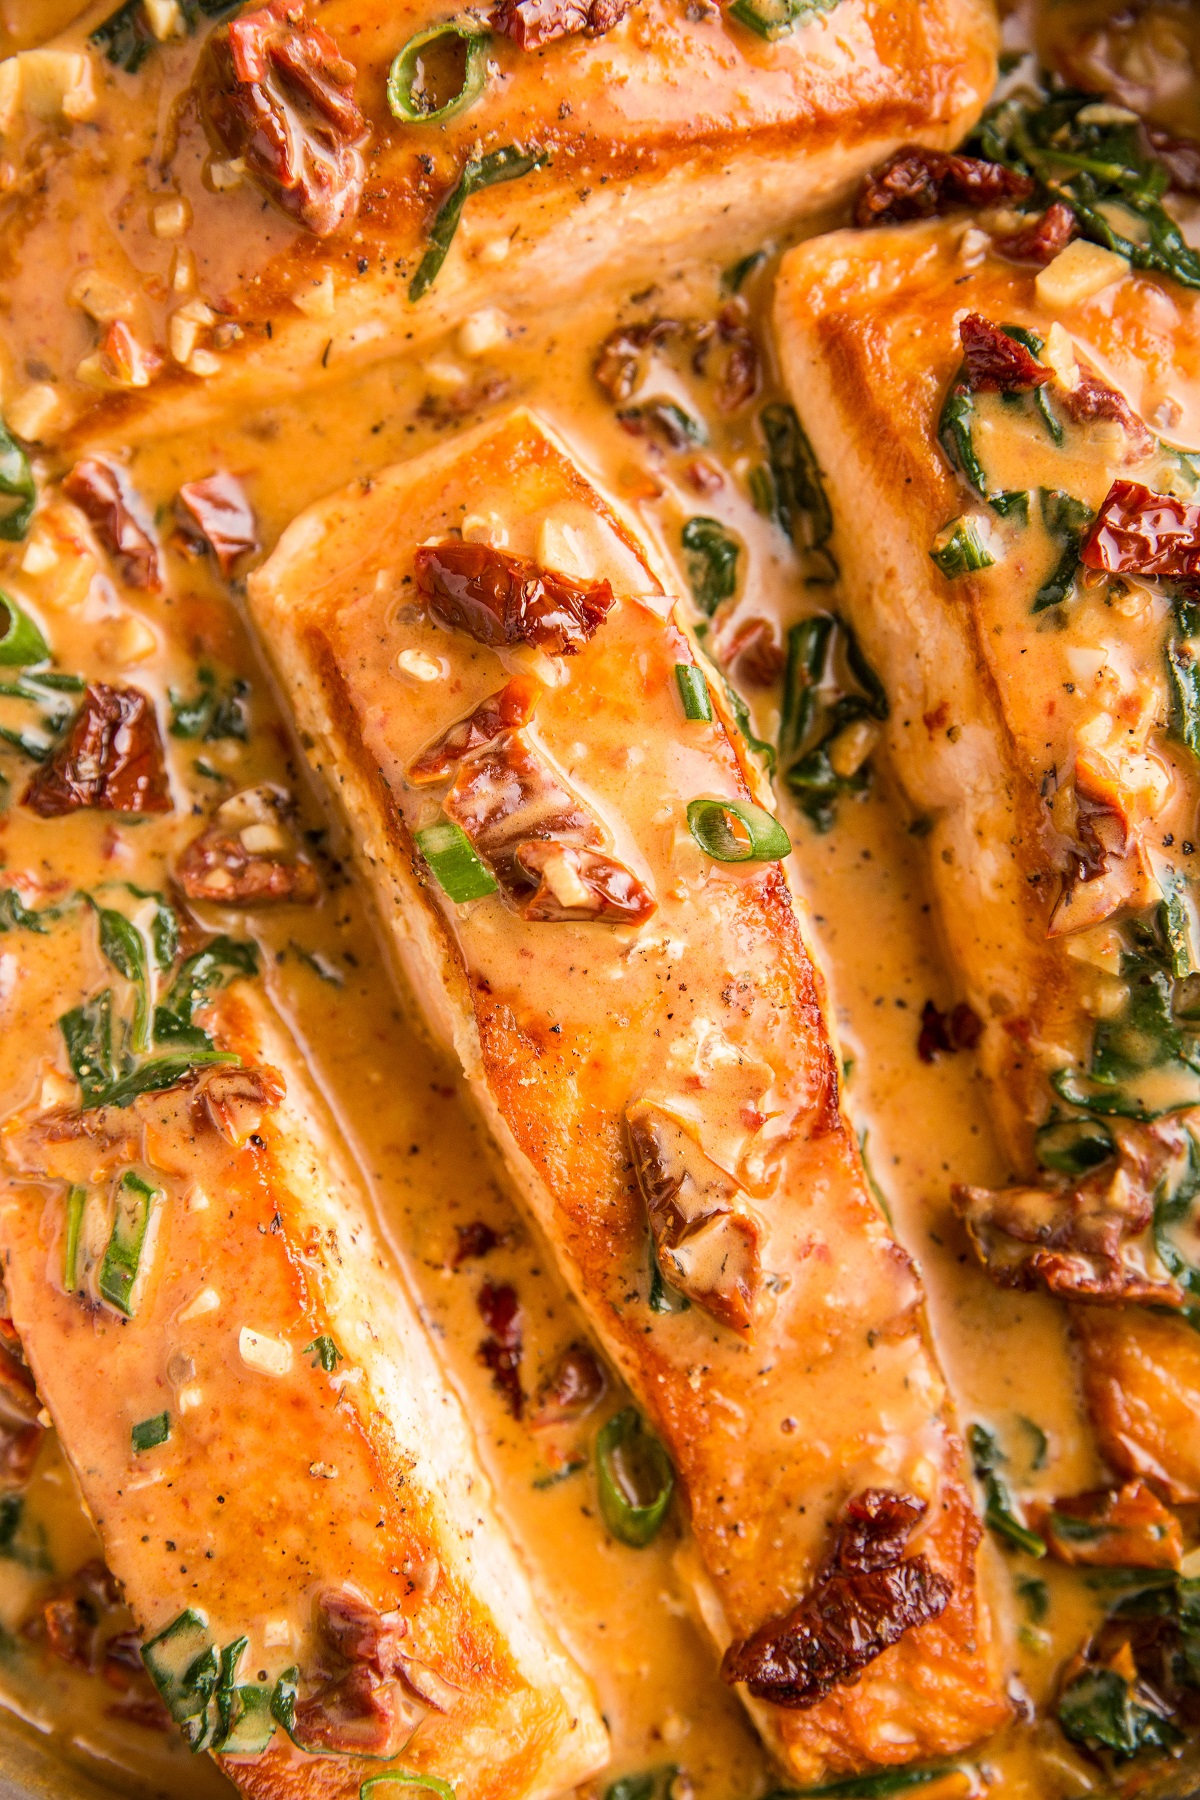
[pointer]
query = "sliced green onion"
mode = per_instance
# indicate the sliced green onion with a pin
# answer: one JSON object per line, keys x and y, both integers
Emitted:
{"x": 283, "y": 1701}
{"x": 123, "y": 1256}
{"x": 18, "y": 489}
{"x": 246, "y": 1723}
{"x": 635, "y": 1479}
{"x": 76, "y": 1201}
{"x": 761, "y": 838}
{"x": 453, "y": 862}
{"x": 151, "y": 1432}
{"x": 21, "y": 642}
{"x": 507, "y": 164}
{"x": 693, "y": 691}
{"x": 958, "y": 549}
{"x": 413, "y": 87}
{"x": 1073, "y": 1146}
{"x": 772, "y": 19}
{"x": 407, "y": 1778}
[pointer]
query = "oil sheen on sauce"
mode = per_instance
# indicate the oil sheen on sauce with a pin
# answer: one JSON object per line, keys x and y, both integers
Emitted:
{"x": 622, "y": 1612}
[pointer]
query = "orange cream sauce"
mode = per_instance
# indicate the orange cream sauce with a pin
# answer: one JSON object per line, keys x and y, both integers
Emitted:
{"x": 623, "y": 1612}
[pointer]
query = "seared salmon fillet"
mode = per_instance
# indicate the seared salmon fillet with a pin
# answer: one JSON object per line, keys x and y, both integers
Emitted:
{"x": 996, "y": 437}
{"x": 248, "y": 216}
{"x": 281, "y": 1477}
{"x": 565, "y": 836}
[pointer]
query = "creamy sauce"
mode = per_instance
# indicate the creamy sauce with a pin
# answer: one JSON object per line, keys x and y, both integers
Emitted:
{"x": 1007, "y": 1357}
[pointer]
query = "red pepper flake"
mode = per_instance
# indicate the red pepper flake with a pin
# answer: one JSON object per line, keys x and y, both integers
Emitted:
{"x": 1138, "y": 532}
{"x": 916, "y": 183}
{"x": 995, "y": 363}
{"x": 866, "y": 1595}
{"x": 474, "y": 1240}
{"x": 1041, "y": 240}
{"x": 217, "y": 509}
{"x": 502, "y": 600}
{"x": 101, "y": 490}
{"x": 500, "y": 1311}
{"x": 944, "y": 1033}
{"x": 532, "y": 23}
{"x": 110, "y": 760}
{"x": 276, "y": 90}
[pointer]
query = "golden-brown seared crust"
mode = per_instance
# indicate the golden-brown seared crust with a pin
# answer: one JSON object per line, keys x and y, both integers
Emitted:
{"x": 1141, "y": 1380}
{"x": 710, "y": 1010}
{"x": 668, "y": 103}
{"x": 274, "y": 1487}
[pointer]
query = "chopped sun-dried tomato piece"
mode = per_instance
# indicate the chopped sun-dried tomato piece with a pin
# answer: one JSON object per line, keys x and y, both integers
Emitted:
{"x": 532, "y": 23}
{"x": 276, "y": 91}
{"x": 867, "y": 1595}
{"x": 618, "y": 367}
{"x": 1041, "y": 240}
{"x": 217, "y": 866}
{"x": 916, "y": 183}
{"x": 474, "y": 1240}
{"x": 358, "y": 1715}
{"x": 358, "y": 1632}
{"x": 575, "y": 1386}
{"x": 1130, "y": 1528}
{"x": 1094, "y": 399}
{"x": 500, "y": 599}
{"x": 512, "y": 706}
{"x": 111, "y": 759}
{"x": 500, "y": 1311}
{"x": 995, "y": 363}
{"x": 218, "y": 510}
{"x": 101, "y": 490}
{"x": 1138, "y": 532}
{"x": 946, "y": 1032}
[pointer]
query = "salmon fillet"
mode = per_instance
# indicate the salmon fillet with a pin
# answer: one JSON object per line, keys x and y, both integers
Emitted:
{"x": 641, "y": 1025}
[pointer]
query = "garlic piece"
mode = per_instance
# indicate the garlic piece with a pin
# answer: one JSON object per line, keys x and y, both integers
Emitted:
{"x": 265, "y": 1355}
{"x": 1077, "y": 273}
{"x": 101, "y": 298}
{"x": 1058, "y": 353}
{"x": 171, "y": 218}
{"x": 317, "y": 300}
{"x": 420, "y": 666}
{"x": 482, "y": 331}
{"x": 207, "y": 1301}
{"x": 166, "y": 20}
{"x": 34, "y": 414}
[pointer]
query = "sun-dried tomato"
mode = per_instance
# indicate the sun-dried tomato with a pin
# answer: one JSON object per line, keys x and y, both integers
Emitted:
{"x": 217, "y": 866}
{"x": 74, "y": 1616}
{"x": 358, "y": 1715}
{"x": 618, "y": 367}
{"x": 218, "y": 511}
{"x": 512, "y": 706}
{"x": 916, "y": 183}
{"x": 575, "y": 1386}
{"x": 101, "y": 490}
{"x": 1042, "y": 238}
{"x": 1094, "y": 399}
{"x": 866, "y": 1596}
{"x": 501, "y": 600}
{"x": 1128, "y": 1528}
{"x": 474, "y": 1240}
{"x": 995, "y": 363}
{"x": 532, "y": 23}
{"x": 1138, "y": 532}
{"x": 738, "y": 374}
{"x": 276, "y": 91}
{"x": 943, "y": 1033}
{"x": 359, "y": 1633}
{"x": 111, "y": 759}
{"x": 500, "y": 1311}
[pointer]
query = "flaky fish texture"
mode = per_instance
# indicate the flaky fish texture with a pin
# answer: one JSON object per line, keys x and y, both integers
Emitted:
{"x": 308, "y": 208}
{"x": 642, "y": 1027}
{"x": 267, "y": 1446}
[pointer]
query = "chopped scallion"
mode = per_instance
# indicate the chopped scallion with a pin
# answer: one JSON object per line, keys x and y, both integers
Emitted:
{"x": 773, "y": 19}
{"x": 635, "y": 1479}
{"x": 123, "y": 1257}
{"x": 21, "y": 643}
{"x": 407, "y": 1778}
{"x": 693, "y": 691}
{"x": 457, "y": 869}
{"x": 734, "y": 831}
{"x": 151, "y": 1432}
{"x": 438, "y": 73}
{"x": 76, "y": 1201}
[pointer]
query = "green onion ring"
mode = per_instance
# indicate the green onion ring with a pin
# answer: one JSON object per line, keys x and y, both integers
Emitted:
{"x": 405, "y": 104}
{"x": 22, "y": 643}
{"x": 631, "y": 1522}
{"x": 407, "y": 1778}
{"x": 708, "y": 822}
